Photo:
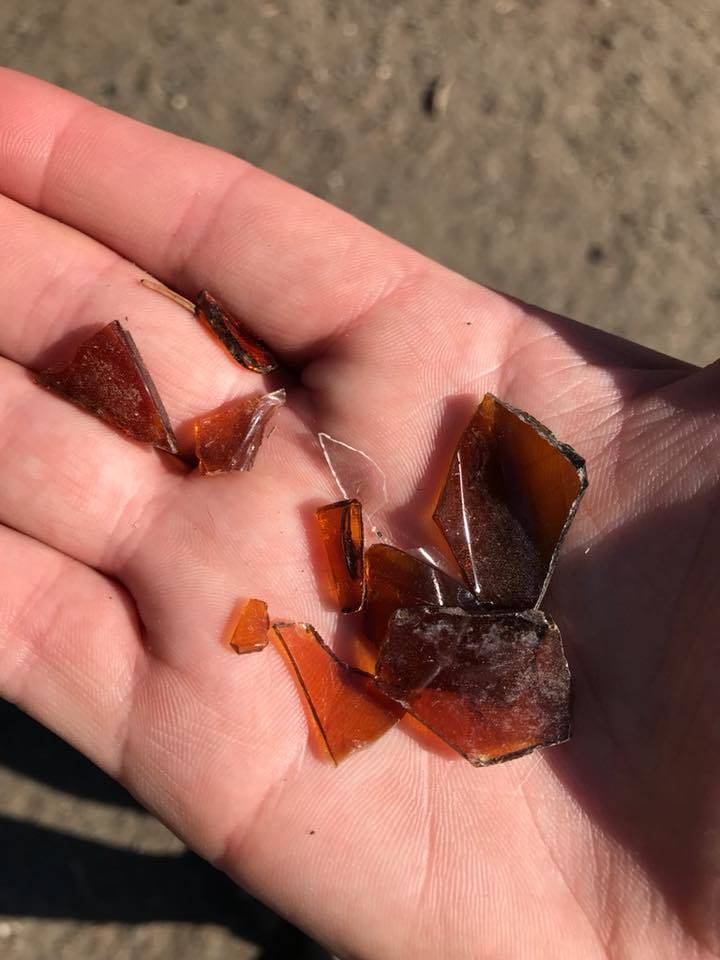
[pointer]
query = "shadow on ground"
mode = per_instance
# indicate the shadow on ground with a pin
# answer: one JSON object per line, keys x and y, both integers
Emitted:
{"x": 49, "y": 874}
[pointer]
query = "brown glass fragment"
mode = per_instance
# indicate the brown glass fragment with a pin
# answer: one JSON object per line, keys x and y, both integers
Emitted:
{"x": 346, "y": 708}
{"x": 511, "y": 493}
{"x": 229, "y": 438}
{"x": 108, "y": 377}
{"x": 246, "y": 349}
{"x": 493, "y": 686}
{"x": 394, "y": 579}
{"x": 252, "y": 627}
{"x": 341, "y": 530}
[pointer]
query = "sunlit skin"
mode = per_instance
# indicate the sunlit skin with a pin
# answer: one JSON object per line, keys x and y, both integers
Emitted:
{"x": 120, "y": 571}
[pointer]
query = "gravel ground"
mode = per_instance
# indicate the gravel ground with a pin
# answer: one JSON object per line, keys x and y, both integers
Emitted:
{"x": 566, "y": 151}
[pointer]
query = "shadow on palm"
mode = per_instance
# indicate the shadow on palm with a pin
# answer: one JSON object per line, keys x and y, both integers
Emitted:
{"x": 637, "y": 613}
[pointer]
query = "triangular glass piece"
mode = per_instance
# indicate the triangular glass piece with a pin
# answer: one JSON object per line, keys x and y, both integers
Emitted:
{"x": 510, "y": 495}
{"x": 230, "y": 437}
{"x": 395, "y": 579}
{"x": 245, "y": 348}
{"x": 108, "y": 377}
{"x": 346, "y": 708}
{"x": 493, "y": 686}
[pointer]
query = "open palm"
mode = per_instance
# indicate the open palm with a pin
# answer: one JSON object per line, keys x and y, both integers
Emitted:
{"x": 120, "y": 571}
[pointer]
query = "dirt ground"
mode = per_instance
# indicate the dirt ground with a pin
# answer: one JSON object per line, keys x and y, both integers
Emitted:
{"x": 567, "y": 151}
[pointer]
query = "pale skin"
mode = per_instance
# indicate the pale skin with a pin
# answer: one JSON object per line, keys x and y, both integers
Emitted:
{"x": 120, "y": 570}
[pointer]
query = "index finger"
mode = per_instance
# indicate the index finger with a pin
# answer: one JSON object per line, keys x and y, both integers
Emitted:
{"x": 297, "y": 269}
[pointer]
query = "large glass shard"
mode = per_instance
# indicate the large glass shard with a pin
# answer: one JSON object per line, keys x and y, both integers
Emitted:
{"x": 251, "y": 627}
{"x": 511, "y": 493}
{"x": 394, "y": 579}
{"x": 247, "y": 349}
{"x": 493, "y": 686}
{"x": 341, "y": 530}
{"x": 230, "y": 437}
{"x": 346, "y": 708}
{"x": 108, "y": 377}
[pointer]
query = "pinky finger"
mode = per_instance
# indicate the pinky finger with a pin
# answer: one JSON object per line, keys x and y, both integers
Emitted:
{"x": 70, "y": 646}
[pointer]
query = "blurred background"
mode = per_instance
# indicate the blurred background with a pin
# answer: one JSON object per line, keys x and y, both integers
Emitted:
{"x": 567, "y": 151}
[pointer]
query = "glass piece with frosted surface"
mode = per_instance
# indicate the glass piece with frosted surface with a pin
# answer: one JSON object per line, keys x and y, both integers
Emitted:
{"x": 493, "y": 686}
{"x": 107, "y": 377}
{"x": 510, "y": 495}
{"x": 395, "y": 579}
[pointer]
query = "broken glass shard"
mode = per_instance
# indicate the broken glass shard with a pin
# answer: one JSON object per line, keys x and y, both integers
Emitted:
{"x": 230, "y": 437}
{"x": 246, "y": 349}
{"x": 251, "y": 628}
{"x": 394, "y": 579}
{"x": 493, "y": 686}
{"x": 346, "y": 708}
{"x": 356, "y": 475}
{"x": 108, "y": 377}
{"x": 341, "y": 530}
{"x": 510, "y": 495}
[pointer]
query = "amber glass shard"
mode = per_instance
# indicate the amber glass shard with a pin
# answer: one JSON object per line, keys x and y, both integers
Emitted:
{"x": 347, "y": 709}
{"x": 252, "y": 627}
{"x": 108, "y": 377}
{"x": 230, "y": 437}
{"x": 341, "y": 530}
{"x": 394, "y": 579}
{"x": 248, "y": 350}
{"x": 493, "y": 686}
{"x": 510, "y": 495}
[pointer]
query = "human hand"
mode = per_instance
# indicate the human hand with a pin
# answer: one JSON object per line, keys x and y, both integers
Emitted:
{"x": 120, "y": 571}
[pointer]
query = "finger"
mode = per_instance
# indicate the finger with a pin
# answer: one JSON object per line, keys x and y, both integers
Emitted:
{"x": 207, "y": 755}
{"x": 98, "y": 499}
{"x": 69, "y": 646}
{"x": 82, "y": 487}
{"x": 297, "y": 269}
{"x": 61, "y": 286}
{"x": 202, "y": 747}
{"x": 301, "y": 271}
{"x": 70, "y": 480}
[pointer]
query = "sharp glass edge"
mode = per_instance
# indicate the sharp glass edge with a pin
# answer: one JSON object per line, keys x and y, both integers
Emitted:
{"x": 574, "y": 459}
{"x": 150, "y": 388}
{"x": 308, "y": 626}
{"x": 322, "y": 437}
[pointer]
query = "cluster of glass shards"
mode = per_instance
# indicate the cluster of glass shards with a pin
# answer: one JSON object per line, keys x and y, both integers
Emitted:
{"x": 108, "y": 378}
{"x": 475, "y": 661}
